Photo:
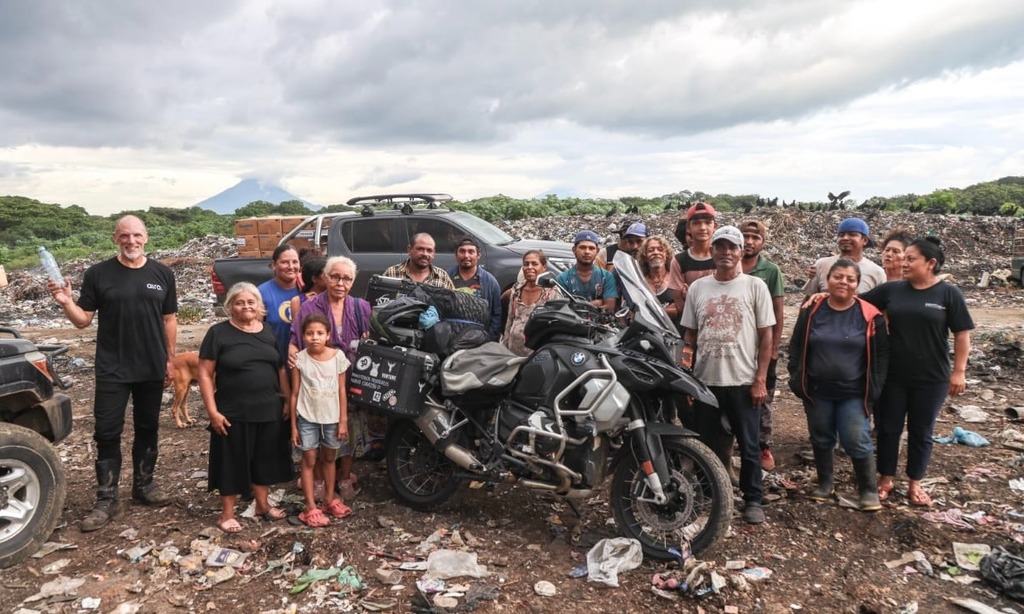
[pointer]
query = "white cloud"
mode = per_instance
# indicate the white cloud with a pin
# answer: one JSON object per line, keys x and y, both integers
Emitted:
{"x": 123, "y": 104}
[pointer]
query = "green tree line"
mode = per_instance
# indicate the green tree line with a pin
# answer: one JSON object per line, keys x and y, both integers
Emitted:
{"x": 71, "y": 232}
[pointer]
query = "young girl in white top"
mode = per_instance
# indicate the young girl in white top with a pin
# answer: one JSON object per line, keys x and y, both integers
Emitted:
{"x": 319, "y": 412}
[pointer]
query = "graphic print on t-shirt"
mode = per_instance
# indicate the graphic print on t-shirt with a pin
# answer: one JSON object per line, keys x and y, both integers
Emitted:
{"x": 722, "y": 321}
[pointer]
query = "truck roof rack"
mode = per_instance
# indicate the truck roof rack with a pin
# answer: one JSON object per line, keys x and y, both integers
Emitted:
{"x": 398, "y": 202}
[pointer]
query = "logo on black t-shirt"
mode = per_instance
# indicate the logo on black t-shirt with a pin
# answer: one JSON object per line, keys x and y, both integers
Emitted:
{"x": 156, "y": 287}
{"x": 935, "y": 306}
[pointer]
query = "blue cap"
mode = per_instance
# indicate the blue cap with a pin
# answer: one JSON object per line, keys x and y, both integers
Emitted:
{"x": 855, "y": 224}
{"x": 586, "y": 235}
{"x": 639, "y": 229}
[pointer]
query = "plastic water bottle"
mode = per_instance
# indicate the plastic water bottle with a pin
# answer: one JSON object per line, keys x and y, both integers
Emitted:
{"x": 50, "y": 266}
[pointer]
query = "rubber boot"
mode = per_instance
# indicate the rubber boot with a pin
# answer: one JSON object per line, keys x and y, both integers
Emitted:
{"x": 144, "y": 490}
{"x": 107, "y": 508}
{"x": 864, "y": 469}
{"x": 824, "y": 462}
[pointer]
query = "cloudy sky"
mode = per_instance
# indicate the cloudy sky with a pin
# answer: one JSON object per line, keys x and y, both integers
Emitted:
{"x": 123, "y": 104}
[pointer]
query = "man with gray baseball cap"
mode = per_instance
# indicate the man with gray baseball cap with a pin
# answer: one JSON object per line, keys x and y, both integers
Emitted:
{"x": 727, "y": 325}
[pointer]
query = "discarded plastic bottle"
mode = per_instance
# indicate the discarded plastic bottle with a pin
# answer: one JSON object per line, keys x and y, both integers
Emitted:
{"x": 50, "y": 266}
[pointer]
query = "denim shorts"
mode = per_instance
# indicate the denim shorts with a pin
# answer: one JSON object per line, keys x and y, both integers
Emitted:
{"x": 313, "y": 435}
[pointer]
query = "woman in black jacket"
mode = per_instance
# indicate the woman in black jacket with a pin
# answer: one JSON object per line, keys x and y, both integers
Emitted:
{"x": 838, "y": 359}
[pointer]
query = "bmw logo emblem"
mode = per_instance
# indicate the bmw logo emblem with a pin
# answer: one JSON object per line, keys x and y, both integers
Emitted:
{"x": 578, "y": 358}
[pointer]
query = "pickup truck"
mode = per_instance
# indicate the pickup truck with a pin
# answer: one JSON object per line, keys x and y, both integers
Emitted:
{"x": 375, "y": 234}
{"x": 32, "y": 418}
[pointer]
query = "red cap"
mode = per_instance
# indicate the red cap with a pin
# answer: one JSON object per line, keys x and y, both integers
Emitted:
{"x": 701, "y": 208}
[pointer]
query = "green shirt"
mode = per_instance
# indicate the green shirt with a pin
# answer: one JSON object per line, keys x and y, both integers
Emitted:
{"x": 769, "y": 272}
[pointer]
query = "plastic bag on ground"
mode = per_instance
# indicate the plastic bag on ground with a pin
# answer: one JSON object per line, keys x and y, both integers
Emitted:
{"x": 444, "y": 564}
{"x": 1004, "y": 571}
{"x": 964, "y": 437}
{"x": 608, "y": 557}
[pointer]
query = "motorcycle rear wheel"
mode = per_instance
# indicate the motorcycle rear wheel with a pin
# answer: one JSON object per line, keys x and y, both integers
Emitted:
{"x": 421, "y": 477}
{"x": 700, "y": 500}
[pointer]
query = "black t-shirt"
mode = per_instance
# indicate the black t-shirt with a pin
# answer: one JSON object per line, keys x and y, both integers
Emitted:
{"x": 689, "y": 264}
{"x": 837, "y": 353}
{"x": 130, "y": 305}
{"x": 919, "y": 325}
{"x": 246, "y": 378}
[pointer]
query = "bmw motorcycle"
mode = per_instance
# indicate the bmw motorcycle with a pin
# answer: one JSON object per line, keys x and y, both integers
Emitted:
{"x": 594, "y": 399}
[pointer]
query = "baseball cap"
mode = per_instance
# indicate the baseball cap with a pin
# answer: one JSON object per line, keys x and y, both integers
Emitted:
{"x": 586, "y": 235}
{"x": 855, "y": 224}
{"x": 756, "y": 227}
{"x": 639, "y": 229}
{"x": 701, "y": 208}
{"x": 728, "y": 233}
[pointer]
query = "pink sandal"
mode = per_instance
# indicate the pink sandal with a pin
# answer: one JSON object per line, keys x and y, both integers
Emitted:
{"x": 314, "y": 518}
{"x": 337, "y": 509}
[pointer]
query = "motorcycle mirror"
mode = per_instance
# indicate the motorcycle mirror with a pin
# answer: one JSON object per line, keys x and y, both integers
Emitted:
{"x": 546, "y": 280}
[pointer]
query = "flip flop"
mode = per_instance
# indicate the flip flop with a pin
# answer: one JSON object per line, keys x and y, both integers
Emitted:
{"x": 273, "y": 514}
{"x": 919, "y": 498}
{"x": 314, "y": 518}
{"x": 885, "y": 491}
{"x": 337, "y": 509}
{"x": 229, "y": 526}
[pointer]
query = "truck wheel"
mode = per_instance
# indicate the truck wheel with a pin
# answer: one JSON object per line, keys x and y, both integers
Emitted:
{"x": 32, "y": 491}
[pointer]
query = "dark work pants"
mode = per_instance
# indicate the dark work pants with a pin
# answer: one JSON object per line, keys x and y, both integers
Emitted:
{"x": 744, "y": 419}
{"x": 918, "y": 406}
{"x": 109, "y": 407}
{"x": 765, "y": 438}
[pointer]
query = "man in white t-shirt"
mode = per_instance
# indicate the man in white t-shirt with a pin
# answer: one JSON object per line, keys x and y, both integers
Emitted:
{"x": 727, "y": 322}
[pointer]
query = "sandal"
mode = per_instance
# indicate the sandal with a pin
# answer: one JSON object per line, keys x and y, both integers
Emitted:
{"x": 229, "y": 526}
{"x": 273, "y": 514}
{"x": 314, "y": 518}
{"x": 337, "y": 509}
{"x": 884, "y": 490}
{"x": 919, "y": 497}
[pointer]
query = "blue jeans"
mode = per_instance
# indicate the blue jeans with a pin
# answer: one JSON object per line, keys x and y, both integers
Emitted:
{"x": 826, "y": 417}
{"x": 313, "y": 435}
{"x": 735, "y": 404}
{"x": 917, "y": 405}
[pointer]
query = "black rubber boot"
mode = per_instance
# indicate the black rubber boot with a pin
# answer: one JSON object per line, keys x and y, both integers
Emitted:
{"x": 864, "y": 469}
{"x": 824, "y": 461}
{"x": 107, "y": 508}
{"x": 144, "y": 489}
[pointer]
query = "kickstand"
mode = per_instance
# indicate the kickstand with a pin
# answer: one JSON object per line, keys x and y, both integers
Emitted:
{"x": 575, "y": 507}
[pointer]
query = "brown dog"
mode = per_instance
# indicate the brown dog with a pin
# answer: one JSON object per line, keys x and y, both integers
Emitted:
{"x": 186, "y": 371}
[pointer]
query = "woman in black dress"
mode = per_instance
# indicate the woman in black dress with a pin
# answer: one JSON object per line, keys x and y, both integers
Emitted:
{"x": 243, "y": 383}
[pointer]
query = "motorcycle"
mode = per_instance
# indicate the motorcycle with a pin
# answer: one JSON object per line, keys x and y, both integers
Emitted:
{"x": 594, "y": 399}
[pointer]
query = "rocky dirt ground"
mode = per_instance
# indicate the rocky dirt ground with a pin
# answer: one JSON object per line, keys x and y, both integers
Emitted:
{"x": 808, "y": 557}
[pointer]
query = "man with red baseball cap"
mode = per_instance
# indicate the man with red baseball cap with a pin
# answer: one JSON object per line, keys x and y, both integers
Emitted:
{"x": 694, "y": 261}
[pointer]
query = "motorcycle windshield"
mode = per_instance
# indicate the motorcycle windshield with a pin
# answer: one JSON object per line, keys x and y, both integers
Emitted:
{"x": 633, "y": 288}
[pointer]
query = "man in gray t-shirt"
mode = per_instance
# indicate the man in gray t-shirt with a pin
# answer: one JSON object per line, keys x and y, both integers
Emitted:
{"x": 852, "y": 237}
{"x": 727, "y": 322}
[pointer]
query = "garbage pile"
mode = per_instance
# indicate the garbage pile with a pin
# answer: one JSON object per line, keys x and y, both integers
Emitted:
{"x": 974, "y": 244}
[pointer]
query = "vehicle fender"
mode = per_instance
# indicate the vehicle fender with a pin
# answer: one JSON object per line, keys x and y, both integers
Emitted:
{"x": 655, "y": 430}
{"x": 685, "y": 382}
{"x": 58, "y": 410}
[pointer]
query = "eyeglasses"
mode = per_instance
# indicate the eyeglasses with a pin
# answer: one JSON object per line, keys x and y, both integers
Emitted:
{"x": 339, "y": 279}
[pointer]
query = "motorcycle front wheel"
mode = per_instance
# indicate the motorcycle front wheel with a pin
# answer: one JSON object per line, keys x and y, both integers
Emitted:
{"x": 420, "y": 475}
{"x": 699, "y": 506}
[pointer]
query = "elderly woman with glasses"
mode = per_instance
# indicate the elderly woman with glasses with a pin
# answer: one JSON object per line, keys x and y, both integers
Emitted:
{"x": 349, "y": 318}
